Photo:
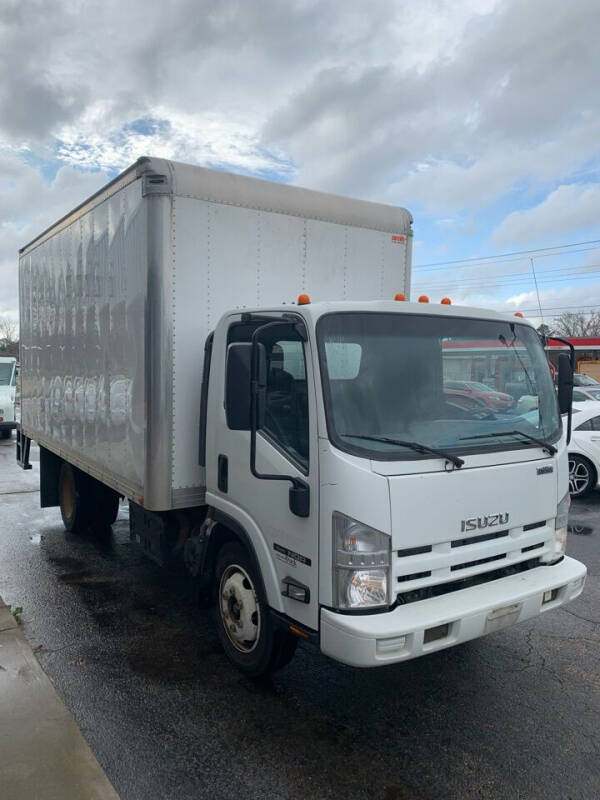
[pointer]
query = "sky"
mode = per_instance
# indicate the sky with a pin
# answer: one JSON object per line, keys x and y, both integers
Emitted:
{"x": 480, "y": 116}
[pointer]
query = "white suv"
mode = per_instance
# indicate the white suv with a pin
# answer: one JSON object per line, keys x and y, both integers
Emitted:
{"x": 8, "y": 383}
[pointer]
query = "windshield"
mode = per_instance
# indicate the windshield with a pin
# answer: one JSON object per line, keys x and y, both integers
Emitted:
{"x": 6, "y": 371}
{"x": 402, "y": 377}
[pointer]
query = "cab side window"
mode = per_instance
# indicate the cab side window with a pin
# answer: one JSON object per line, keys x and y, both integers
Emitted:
{"x": 286, "y": 417}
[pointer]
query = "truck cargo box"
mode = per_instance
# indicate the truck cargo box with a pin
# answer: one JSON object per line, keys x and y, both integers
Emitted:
{"x": 118, "y": 297}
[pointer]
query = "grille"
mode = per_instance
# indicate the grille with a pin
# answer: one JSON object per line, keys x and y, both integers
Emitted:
{"x": 465, "y": 583}
{"x": 485, "y": 537}
{"x": 425, "y": 566}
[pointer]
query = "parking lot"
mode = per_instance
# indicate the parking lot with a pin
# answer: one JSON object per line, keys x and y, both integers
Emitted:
{"x": 513, "y": 715}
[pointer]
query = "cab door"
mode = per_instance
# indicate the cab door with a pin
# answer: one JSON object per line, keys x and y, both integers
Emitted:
{"x": 286, "y": 544}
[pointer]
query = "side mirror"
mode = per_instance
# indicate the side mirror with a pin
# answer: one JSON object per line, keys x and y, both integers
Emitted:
{"x": 565, "y": 383}
{"x": 238, "y": 386}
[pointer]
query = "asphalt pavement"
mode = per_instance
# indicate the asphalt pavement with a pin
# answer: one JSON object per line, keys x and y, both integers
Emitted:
{"x": 513, "y": 715}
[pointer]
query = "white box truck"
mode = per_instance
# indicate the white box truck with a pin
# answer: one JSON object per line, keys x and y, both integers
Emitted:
{"x": 236, "y": 358}
{"x": 8, "y": 384}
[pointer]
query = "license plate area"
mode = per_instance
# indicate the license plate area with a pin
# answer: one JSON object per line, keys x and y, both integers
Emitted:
{"x": 502, "y": 617}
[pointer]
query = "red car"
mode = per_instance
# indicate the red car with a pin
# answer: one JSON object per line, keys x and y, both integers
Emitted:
{"x": 499, "y": 401}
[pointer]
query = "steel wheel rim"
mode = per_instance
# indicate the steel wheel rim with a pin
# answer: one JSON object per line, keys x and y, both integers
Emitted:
{"x": 239, "y": 607}
{"x": 579, "y": 476}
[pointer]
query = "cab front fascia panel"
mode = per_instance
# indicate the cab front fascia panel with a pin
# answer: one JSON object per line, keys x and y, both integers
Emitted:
{"x": 415, "y": 629}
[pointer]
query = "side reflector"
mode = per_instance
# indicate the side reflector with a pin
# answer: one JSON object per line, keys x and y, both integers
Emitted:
{"x": 445, "y": 301}
{"x": 298, "y": 632}
{"x": 423, "y": 298}
{"x": 400, "y": 297}
{"x": 303, "y": 300}
{"x": 518, "y": 314}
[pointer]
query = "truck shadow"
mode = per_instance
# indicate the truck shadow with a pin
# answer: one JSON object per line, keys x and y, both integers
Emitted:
{"x": 442, "y": 726}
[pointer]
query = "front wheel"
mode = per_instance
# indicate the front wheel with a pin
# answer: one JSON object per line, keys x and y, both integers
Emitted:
{"x": 244, "y": 625}
{"x": 582, "y": 476}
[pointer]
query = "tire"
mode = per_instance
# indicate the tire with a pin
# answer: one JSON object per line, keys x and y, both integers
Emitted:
{"x": 74, "y": 498}
{"x": 244, "y": 626}
{"x": 582, "y": 476}
{"x": 106, "y": 505}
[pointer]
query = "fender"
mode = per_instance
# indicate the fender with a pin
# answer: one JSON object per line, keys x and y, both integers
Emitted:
{"x": 244, "y": 526}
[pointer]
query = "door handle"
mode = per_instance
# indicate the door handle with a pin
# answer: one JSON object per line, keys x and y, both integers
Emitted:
{"x": 223, "y": 474}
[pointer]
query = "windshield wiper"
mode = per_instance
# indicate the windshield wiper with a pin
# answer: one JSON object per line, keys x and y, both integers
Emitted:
{"x": 416, "y": 446}
{"x": 549, "y": 448}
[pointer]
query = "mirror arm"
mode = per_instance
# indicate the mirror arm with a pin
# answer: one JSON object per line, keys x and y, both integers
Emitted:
{"x": 572, "y": 360}
{"x": 297, "y": 484}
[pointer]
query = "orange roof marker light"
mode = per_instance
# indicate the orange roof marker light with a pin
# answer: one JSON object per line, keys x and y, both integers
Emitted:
{"x": 423, "y": 298}
{"x": 303, "y": 300}
{"x": 518, "y": 313}
{"x": 401, "y": 297}
{"x": 445, "y": 301}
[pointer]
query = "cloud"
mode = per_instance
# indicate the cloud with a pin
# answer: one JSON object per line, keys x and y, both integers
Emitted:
{"x": 28, "y": 205}
{"x": 484, "y": 116}
{"x": 450, "y": 108}
{"x": 568, "y": 208}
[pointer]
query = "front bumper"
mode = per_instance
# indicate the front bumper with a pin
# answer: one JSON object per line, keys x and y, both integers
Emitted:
{"x": 415, "y": 629}
{"x": 8, "y": 426}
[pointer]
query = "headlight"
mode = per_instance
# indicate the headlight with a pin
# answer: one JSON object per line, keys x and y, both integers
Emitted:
{"x": 361, "y": 564}
{"x": 560, "y": 531}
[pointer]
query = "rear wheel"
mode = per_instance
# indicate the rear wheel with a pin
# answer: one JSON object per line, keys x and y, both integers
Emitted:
{"x": 74, "y": 497}
{"x": 106, "y": 505}
{"x": 582, "y": 476}
{"x": 244, "y": 625}
{"x": 85, "y": 502}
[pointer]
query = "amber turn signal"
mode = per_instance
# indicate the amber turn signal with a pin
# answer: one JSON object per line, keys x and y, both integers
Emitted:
{"x": 400, "y": 296}
{"x": 445, "y": 301}
{"x": 303, "y": 300}
{"x": 423, "y": 298}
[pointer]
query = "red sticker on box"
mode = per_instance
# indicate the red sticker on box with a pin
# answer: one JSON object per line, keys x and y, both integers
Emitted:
{"x": 398, "y": 239}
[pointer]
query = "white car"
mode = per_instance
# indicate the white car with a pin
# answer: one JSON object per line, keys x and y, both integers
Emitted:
{"x": 581, "y": 394}
{"x": 584, "y": 448}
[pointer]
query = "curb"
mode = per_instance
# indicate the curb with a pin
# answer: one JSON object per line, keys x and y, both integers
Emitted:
{"x": 43, "y": 755}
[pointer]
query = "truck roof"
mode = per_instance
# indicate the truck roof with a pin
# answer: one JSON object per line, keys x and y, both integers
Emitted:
{"x": 318, "y": 309}
{"x": 186, "y": 180}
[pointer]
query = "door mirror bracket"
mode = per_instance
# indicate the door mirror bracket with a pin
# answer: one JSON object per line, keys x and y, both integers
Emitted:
{"x": 566, "y": 368}
{"x": 299, "y": 494}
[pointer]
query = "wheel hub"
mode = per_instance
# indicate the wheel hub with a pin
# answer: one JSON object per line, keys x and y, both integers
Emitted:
{"x": 579, "y": 476}
{"x": 239, "y": 607}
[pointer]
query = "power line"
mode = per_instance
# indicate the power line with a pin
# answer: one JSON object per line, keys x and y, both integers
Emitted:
{"x": 583, "y": 269}
{"x": 561, "y": 308}
{"x": 506, "y": 255}
{"x": 513, "y": 260}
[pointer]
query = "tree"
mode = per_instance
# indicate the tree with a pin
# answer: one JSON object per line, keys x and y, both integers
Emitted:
{"x": 544, "y": 330}
{"x": 578, "y": 324}
{"x": 9, "y": 337}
